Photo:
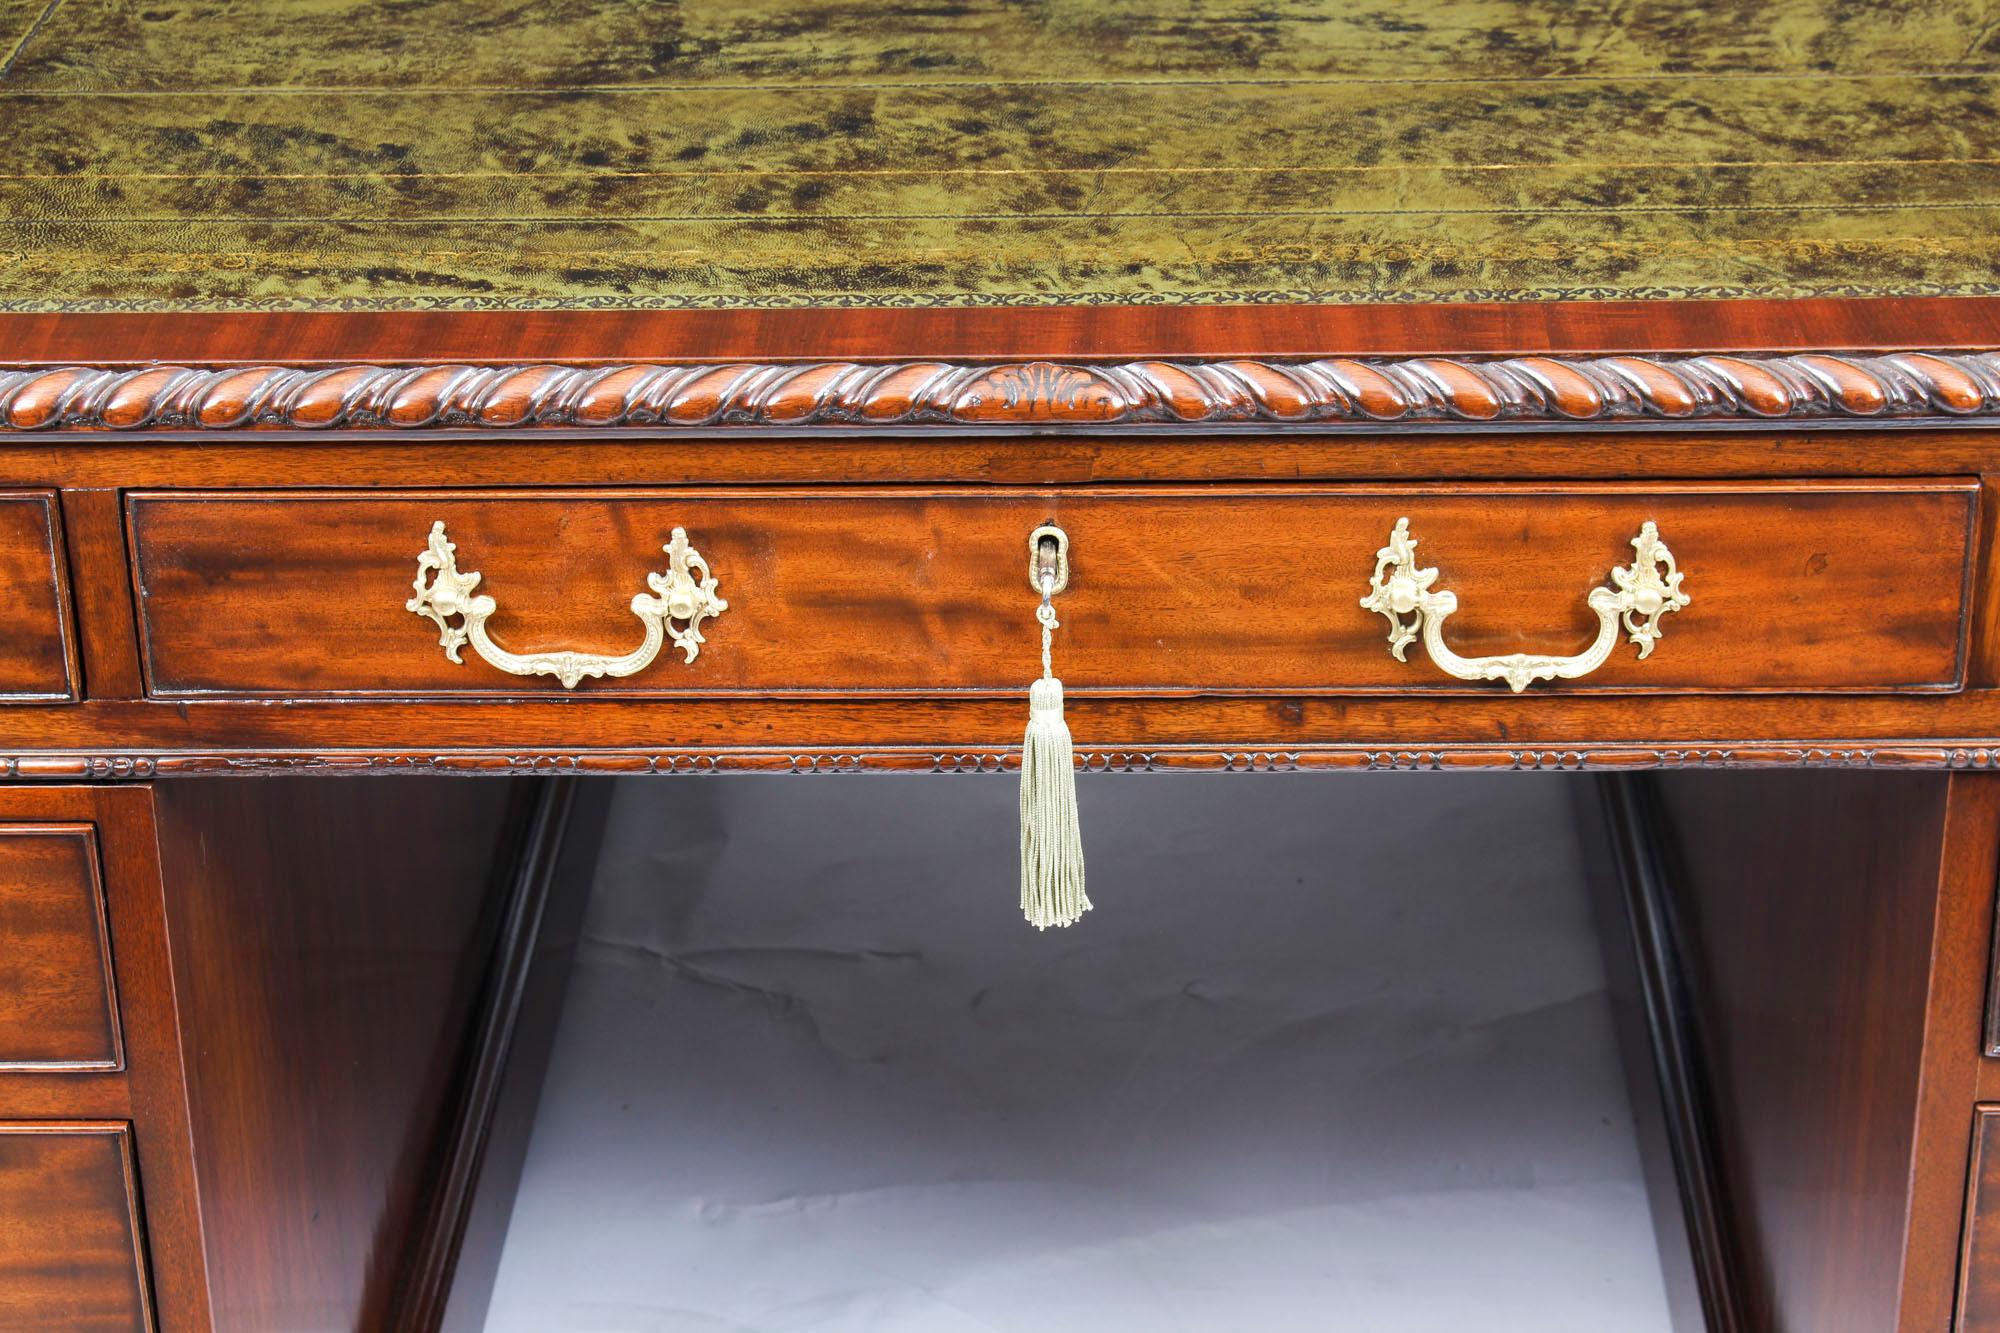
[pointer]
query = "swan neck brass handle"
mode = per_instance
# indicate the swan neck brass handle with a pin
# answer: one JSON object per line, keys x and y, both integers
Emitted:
{"x": 1638, "y": 596}
{"x": 681, "y": 599}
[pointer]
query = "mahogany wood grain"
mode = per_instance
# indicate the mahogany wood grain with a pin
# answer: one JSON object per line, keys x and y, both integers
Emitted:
{"x": 1808, "y": 898}
{"x": 156, "y": 1040}
{"x": 58, "y": 999}
{"x": 1961, "y": 959}
{"x": 1044, "y": 331}
{"x": 124, "y": 740}
{"x": 451, "y": 1282}
{"x": 1983, "y": 660}
{"x": 72, "y": 1254}
{"x": 931, "y": 396}
{"x": 324, "y": 934}
{"x": 1979, "y": 1276}
{"x": 1067, "y": 458}
{"x": 37, "y": 650}
{"x": 1837, "y": 925}
{"x": 323, "y": 1060}
{"x": 94, "y": 526}
{"x": 1796, "y": 586}
{"x": 1659, "y": 1041}
{"x": 150, "y": 1093}
{"x": 329, "y": 938}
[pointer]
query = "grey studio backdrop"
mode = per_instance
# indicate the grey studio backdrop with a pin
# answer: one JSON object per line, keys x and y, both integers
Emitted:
{"x": 1333, "y": 1052}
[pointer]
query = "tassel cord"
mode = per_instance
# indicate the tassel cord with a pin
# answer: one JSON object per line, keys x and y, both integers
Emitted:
{"x": 1052, "y": 876}
{"x": 1046, "y": 614}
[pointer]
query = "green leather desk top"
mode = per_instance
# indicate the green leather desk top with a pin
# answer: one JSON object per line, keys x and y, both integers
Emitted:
{"x": 408, "y": 154}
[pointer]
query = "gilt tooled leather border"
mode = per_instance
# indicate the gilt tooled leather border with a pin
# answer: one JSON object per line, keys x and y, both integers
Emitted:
{"x": 1534, "y": 390}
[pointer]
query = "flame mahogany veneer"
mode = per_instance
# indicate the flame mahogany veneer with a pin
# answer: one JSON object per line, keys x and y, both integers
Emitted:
{"x": 860, "y": 295}
{"x": 211, "y": 564}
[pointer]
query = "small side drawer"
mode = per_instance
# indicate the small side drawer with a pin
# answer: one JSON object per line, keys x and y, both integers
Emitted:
{"x": 71, "y": 1254}
{"x": 1979, "y": 1271}
{"x": 37, "y": 642}
{"x": 58, "y": 1002}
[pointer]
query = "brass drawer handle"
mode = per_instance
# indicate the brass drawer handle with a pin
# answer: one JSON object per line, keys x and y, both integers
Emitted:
{"x": 1641, "y": 595}
{"x": 685, "y": 593}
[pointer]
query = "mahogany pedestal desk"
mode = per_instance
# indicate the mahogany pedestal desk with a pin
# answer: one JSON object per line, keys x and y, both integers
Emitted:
{"x": 1446, "y": 393}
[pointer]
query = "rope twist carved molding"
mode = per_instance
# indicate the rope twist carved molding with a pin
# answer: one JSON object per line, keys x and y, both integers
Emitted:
{"x": 1335, "y": 390}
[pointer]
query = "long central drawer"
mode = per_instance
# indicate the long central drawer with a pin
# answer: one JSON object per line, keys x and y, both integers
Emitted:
{"x": 1841, "y": 586}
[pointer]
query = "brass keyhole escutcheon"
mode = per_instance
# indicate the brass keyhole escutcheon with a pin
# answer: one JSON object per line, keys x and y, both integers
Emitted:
{"x": 1048, "y": 553}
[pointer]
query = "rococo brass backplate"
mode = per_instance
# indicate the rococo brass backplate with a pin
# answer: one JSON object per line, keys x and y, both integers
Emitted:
{"x": 686, "y": 593}
{"x": 1641, "y": 594}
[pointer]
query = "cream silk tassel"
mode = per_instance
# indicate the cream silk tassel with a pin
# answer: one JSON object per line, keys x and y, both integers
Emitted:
{"x": 1051, "y": 843}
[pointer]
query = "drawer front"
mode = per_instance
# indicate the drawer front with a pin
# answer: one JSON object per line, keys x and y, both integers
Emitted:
{"x": 37, "y": 646}
{"x": 1979, "y": 1270}
{"x": 58, "y": 1003}
{"x": 1793, "y": 586}
{"x": 70, "y": 1250}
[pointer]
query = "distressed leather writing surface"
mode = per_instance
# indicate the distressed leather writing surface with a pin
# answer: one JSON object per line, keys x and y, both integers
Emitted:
{"x": 312, "y": 154}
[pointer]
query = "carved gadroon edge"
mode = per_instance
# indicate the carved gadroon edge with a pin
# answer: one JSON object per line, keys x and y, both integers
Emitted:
{"x": 105, "y": 767}
{"x": 1532, "y": 389}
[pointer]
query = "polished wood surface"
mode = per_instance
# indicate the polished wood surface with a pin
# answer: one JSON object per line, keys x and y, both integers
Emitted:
{"x": 71, "y": 1255}
{"x": 328, "y": 1003}
{"x": 123, "y": 741}
{"x": 94, "y": 528}
{"x": 111, "y": 737}
{"x": 58, "y": 1000}
{"x": 1950, "y": 1065}
{"x": 1837, "y": 930}
{"x": 382, "y": 1179}
{"x": 1054, "y": 332}
{"x": 937, "y": 397}
{"x": 149, "y": 1094}
{"x": 1646, "y": 946}
{"x": 451, "y": 1281}
{"x": 1800, "y": 586}
{"x": 1809, "y": 902}
{"x": 37, "y": 651}
{"x": 329, "y": 940}
{"x": 1979, "y": 1275}
{"x": 87, "y": 465}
